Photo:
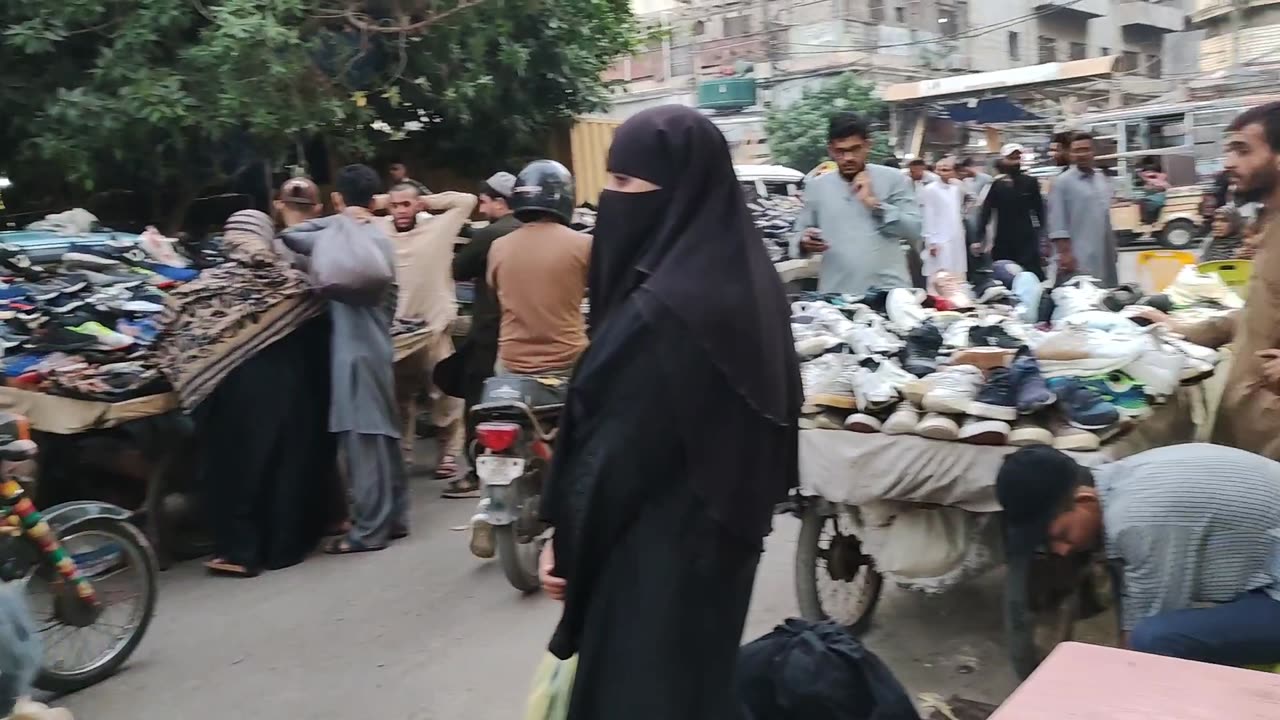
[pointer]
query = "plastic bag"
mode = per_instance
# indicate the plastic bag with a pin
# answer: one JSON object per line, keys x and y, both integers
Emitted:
{"x": 552, "y": 688}
{"x": 816, "y": 671}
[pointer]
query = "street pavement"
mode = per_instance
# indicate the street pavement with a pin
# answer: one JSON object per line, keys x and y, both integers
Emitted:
{"x": 424, "y": 631}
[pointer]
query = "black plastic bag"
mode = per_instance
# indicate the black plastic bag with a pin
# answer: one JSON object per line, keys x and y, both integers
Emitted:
{"x": 816, "y": 671}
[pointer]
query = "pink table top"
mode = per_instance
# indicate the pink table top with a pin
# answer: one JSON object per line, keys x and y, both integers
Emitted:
{"x": 1090, "y": 682}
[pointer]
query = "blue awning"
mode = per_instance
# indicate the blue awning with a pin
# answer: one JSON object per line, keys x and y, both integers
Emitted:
{"x": 988, "y": 111}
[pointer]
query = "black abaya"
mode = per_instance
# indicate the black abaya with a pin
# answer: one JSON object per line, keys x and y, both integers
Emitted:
{"x": 658, "y": 586}
{"x": 268, "y": 456}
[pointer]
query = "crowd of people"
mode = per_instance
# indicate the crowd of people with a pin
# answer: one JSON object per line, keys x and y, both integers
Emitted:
{"x": 679, "y": 433}
{"x": 1193, "y": 526}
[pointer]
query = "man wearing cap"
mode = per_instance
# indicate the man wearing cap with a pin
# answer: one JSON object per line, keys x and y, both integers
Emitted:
{"x": 1014, "y": 201}
{"x": 1187, "y": 525}
{"x": 1080, "y": 216}
{"x": 424, "y": 254}
{"x": 471, "y": 263}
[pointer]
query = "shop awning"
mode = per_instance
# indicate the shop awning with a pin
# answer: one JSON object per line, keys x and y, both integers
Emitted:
{"x": 959, "y": 86}
{"x": 988, "y": 111}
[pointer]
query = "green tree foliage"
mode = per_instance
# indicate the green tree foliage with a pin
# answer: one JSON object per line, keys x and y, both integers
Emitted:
{"x": 798, "y": 132}
{"x": 175, "y": 97}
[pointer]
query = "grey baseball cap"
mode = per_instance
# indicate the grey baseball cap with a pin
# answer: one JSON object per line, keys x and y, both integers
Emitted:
{"x": 502, "y": 184}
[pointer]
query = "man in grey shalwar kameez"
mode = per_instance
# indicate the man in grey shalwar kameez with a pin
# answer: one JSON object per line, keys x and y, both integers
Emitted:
{"x": 363, "y": 406}
{"x": 858, "y": 217}
{"x": 1080, "y": 216}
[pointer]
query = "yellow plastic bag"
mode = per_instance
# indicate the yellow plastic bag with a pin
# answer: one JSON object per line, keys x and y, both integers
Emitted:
{"x": 552, "y": 686}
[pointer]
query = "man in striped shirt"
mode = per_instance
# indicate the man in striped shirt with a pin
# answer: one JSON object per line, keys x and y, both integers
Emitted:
{"x": 1195, "y": 527}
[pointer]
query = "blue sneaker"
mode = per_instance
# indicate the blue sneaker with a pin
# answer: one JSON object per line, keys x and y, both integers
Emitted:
{"x": 1117, "y": 388}
{"x": 1083, "y": 407}
{"x": 1033, "y": 393}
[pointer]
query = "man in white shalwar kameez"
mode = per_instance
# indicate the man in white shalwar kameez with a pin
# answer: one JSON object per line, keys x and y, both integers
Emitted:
{"x": 942, "y": 206}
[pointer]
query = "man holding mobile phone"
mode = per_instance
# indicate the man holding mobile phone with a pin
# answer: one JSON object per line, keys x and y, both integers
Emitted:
{"x": 858, "y": 217}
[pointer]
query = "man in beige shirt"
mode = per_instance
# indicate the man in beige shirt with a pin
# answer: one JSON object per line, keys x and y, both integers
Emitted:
{"x": 539, "y": 274}
{"x": 424, "y": 272}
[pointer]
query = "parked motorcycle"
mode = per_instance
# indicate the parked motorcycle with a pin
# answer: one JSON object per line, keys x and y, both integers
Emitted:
{"x": 90, "y": 576}
{"x": 515, "y": 429}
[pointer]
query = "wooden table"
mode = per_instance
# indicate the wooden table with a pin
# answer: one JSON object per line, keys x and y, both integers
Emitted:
{"x": 1090, "y": 682}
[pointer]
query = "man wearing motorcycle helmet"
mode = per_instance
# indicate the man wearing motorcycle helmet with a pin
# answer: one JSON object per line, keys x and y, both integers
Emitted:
{"x": 539, "y": 274}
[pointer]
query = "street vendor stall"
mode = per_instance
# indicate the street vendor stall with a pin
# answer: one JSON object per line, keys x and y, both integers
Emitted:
{"x": 883, "y": 500}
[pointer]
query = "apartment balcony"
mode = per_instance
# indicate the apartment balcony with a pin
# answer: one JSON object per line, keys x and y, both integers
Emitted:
{"x": 1158, "y": 16}
{"x": 1204, "y": 10}
{"x": 1082, "y": 9}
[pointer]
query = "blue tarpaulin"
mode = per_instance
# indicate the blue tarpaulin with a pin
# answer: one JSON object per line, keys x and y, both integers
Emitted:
{"x": 988, "y": 111}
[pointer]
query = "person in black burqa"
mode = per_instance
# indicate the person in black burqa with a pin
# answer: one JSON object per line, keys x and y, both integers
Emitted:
{"x": 679, "y": 434}
{"x": 1014, "y": 201}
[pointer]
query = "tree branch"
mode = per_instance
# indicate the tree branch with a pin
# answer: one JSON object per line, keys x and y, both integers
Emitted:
{"x": 365, "y": 23}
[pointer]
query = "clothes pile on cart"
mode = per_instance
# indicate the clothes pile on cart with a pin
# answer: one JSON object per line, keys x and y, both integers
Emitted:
{"x": 80, "y": 327}
{"x": 998, "y": 364}
{"x": 775, "y": 216}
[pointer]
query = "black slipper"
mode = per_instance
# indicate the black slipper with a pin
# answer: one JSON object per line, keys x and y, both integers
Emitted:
{"x": 348, "y": 546}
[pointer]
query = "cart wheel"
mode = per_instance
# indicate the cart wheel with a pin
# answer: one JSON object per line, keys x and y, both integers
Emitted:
{"x": 834, "y": 579}
{"x": 1178, "y": 234}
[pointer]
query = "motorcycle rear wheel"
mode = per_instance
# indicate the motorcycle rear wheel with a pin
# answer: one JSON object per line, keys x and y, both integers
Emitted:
{"x": 141, "y": 558}
{"x": 519, "y": 560}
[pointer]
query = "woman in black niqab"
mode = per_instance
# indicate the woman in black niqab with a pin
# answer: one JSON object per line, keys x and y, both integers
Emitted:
{"x": 679, "y": 433}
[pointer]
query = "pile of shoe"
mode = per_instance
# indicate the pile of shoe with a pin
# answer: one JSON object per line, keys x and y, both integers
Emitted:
{"x": 82, "y": 328}
{"x": 775, "y": 216}
{"x": 977, "y": 371}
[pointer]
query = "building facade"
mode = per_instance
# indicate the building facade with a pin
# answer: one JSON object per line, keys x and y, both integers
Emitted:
{"x": 733, "y": 58}
{"x": 1237, "y": 33}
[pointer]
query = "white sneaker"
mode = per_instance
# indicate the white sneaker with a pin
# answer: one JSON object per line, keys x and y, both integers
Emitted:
{"x": 863, "y": 423}
{"x": 904, "y": 311}
{"x": 1159, "y": 371}
{"x": 1060, "y": 352}
{"x": 835, "y": 321}
{"x": 812, "y": 339}
{"x": 872, "y": 391}
{"x": 983, "y": 431}
{"x": 893, "y": 373}
{"x": 903, "y": 421}
{"x": 1029, "y": 432}
{"x": 813, "y": 374}
{"x": 872, "y": 339}
{"x": 952, "y": 389}
{"x": 834, "y": 388}
{"x": 937, "y": 426}
{"x": 956, "y": 335}
{"x": 482, "y": 542}
{"x": 1078, "y": 294}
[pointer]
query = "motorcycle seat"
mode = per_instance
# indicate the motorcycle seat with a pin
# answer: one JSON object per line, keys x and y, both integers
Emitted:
{"x": 542, "y": 394}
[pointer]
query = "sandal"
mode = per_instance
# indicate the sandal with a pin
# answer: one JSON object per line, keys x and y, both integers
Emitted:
{"x": 447, "y": 468}
{"x": 463, "y": 487}
{"x": 349, "y": 546}
{"x": 222, "y": 566}
{"x": 337, "y": 529}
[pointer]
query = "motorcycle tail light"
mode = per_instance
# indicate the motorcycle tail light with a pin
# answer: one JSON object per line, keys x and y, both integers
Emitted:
{"x": 497, "y": 437}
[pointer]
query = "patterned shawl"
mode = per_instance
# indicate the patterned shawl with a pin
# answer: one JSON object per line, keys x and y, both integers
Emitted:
{"x": 220, "y": 319}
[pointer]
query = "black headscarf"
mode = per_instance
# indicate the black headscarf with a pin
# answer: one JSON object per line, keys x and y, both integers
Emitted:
{"x": 693, "y": 248}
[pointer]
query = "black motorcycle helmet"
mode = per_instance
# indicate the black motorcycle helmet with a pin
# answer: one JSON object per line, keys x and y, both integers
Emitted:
{"x": 543, "y": 188}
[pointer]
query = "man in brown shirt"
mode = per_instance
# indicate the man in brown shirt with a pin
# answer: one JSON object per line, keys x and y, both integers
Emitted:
{"x": 1248, "y": 415}
{"x": 539, "y": 274}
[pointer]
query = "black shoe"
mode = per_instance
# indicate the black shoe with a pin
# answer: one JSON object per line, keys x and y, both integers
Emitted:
{"x": 993, "y": 336}
{"x": 1122, "y": 297}
{"x": 53, "y": 336}
{"x": 875, "y": 298}
{"x": 121, "y": 251}
{"x": 922, "y": 348}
